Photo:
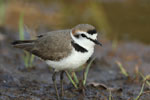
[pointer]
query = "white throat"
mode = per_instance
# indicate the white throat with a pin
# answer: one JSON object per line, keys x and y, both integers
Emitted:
{"x": 85, "y": 43}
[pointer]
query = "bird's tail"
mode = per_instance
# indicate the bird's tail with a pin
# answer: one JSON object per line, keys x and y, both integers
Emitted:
{"x": 24, "y": 44}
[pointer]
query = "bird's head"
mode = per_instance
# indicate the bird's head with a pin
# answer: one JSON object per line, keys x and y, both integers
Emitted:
{"x": 85, "y": 35}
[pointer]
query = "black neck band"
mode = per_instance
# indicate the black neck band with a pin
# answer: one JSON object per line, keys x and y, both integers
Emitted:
{"x": 78, "y": 47}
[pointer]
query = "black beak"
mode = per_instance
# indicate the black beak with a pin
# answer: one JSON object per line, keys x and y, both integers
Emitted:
{"x": 97, "y": 42}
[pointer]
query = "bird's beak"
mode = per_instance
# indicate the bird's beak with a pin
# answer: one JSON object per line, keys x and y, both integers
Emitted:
{"x": 97, "y": 42}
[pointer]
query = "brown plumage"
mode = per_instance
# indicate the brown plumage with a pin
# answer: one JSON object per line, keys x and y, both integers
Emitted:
{"x": 53, "y": 45}
{"x": 82, "y": 27}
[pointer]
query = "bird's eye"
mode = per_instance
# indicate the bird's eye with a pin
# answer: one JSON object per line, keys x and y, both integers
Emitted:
{"x": 83, "y": 35}
{"x": 77, "y": 35}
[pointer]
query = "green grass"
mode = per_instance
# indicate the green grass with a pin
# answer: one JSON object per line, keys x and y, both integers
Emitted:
{"x": 123, "y": 70}
{"x": 21, "y": 26}
{"x": 74, "y": 79}
{"x": 145, "y": 78}
{"x": 145, "y": 81}
{"x": 110, "y": 95}
{"x": 87, "y": 71}
{"x": 71, "y": 80}
{"x": 141, "y": 92}
{"x": 27, "y": 57}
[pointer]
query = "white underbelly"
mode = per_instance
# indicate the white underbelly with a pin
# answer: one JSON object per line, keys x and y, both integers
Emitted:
{"x": 73, "y": 61}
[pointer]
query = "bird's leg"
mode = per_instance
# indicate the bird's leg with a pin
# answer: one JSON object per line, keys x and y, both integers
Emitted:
{"x": 61, "y": 81}
{"x": 54, "y": 82}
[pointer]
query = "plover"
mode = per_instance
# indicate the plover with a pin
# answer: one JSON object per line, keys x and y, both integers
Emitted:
{"x": 63, "y": 49}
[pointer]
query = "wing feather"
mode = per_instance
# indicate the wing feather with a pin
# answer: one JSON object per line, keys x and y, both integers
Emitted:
{"x": 53, "y": 45}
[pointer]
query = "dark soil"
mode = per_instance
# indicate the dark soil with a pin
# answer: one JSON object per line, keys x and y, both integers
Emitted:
{"x": 19, "y": 83}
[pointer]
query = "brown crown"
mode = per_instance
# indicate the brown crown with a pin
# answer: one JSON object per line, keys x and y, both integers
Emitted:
{"x": 82, "y": 27}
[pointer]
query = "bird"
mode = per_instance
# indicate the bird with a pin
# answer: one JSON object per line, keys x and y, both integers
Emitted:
{"x": 63, "y": 50}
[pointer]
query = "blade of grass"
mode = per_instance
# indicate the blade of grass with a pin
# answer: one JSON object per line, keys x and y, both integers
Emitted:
{"x": 143, "y": 85}
{"x": 31, "y": 60}
{"x": 21, "y": 27}
{"x": 123, "y": 71}
{"x": 144, "y": 78}
{"x": 75, "y": 77}
{"x": 141, "y": 92}
{"x": 72, "y": 81}
{"x": 21, "y": 37}
{"x": 110, "y": 95}
{"x": 86, "y": 72}
{"x": 28, "y": 58}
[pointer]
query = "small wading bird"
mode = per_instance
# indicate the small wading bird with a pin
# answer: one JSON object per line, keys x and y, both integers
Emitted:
{"x": 63, "y": 49}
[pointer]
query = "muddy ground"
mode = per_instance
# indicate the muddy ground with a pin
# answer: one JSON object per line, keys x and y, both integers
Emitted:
{"x": 18, "y": 83}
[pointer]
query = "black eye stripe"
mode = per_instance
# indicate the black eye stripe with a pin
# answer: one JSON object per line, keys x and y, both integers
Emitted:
{"x": 78, "y": 35}
{"x": 83, "y": 35}
{"x": 92, "y": 31}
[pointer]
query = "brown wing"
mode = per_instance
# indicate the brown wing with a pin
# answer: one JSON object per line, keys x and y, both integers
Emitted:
{"x": 52, "y": 45}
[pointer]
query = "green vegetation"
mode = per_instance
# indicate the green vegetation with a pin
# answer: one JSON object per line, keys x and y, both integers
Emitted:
{"x": 87, "y": 71}
{"x": 123, "y": 71}
{"x": 27, "y": 57}
{"x": 75, "y": 77}
{"x": 141, "y": 92}
{"x": 74, "y": 80}
{"x": 110, "y": 95}
{"x": 71, "y": 80}
{"x": 146, "y": 78}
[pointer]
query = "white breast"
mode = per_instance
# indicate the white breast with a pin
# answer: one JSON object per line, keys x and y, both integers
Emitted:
{"x": 73, "y": 61}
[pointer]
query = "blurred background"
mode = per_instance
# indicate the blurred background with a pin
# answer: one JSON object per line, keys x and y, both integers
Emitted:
{"x": 123, "y": 61}
{"x": 115, "y": 19}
